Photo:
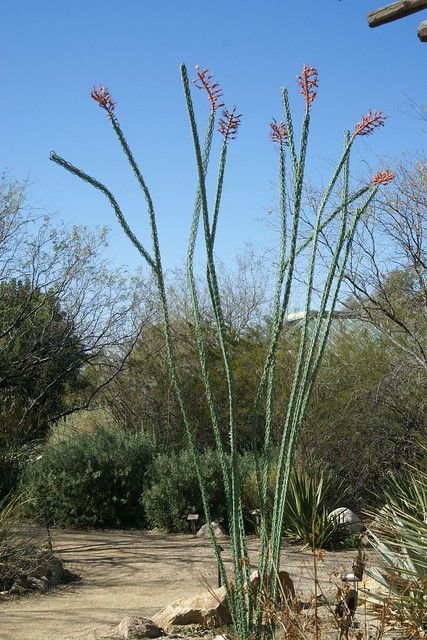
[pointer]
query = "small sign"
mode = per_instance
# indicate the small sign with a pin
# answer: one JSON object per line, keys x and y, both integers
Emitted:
{"x": 193, "y": 517}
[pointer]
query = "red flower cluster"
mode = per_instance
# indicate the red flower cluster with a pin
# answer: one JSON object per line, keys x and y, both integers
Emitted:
{"x": 369, "y": 123}
{"x": 307, "y": 81}
{"x": 103, "y": 98}
{"x": 278, "y": 132}
{"x": 204, "y": 81}
{"x": 229, "y": 124}
{"x": 383, "y": 177}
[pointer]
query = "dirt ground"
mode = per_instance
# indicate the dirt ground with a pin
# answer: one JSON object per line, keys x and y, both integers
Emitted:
{"x": 135, "y": 572}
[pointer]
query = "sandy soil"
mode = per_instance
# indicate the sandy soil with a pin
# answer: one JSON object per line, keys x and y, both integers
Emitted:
{"x": 126, "y": 573}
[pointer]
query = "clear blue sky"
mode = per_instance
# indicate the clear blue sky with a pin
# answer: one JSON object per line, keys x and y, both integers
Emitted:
{"x": 53, "y": 52}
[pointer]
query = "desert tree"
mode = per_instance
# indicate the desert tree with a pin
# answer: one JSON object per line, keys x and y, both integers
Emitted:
{"x": 66, "y": 325}
{"x": 387, "y": 273}
{"x": 143, "y": 391}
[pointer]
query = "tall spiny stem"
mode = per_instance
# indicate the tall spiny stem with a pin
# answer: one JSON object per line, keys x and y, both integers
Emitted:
{"x": 283, "y": 470}
{"x": 220, "y": 184}
{"x": 238, "y": 537}
{"x": 348, "y": 239}
{"x": 201, "y": 346}
{"x": 331, "y": 272}
{"x": 263, "y": 476}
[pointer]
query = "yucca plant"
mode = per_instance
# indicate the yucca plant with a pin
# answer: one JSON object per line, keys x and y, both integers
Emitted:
{"x": 308, "y": 505}
{"x": 399, "y": 535}
{"x": 246, "y": 604}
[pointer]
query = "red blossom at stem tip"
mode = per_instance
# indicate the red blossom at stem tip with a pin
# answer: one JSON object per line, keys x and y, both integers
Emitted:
{"x": 383, "y": 177}
{"x": 307, "y": 81}
{"x": 278, "y": 132}
{"x": 369, "y": 123}
{"x": 229, "y": 124}
{"x": 214, "y": 91}
{"x": 103, "y": 98}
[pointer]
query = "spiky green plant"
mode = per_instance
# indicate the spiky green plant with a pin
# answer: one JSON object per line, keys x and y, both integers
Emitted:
{"x": 399, "y": 535}
{"x": 308, "y": 506}
{"x": 245, "y": 605}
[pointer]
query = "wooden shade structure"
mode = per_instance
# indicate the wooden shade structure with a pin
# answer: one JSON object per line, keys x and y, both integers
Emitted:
{"x": 398, "y": 10}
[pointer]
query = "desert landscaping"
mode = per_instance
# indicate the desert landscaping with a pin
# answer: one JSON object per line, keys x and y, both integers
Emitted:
{"x": 213, "y": 320}
{"x": 126, "y": 573}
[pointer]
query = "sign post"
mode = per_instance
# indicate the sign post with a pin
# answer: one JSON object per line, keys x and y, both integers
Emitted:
{"x": 192, "y": 518}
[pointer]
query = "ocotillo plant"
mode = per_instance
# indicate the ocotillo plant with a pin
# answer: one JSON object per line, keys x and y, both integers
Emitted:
{"x": 247, "y": 604}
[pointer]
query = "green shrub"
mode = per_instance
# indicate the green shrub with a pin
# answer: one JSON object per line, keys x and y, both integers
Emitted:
{"x": 174, "y": 492}
{"x": 249, "y": 488}
{"x": 83, "y": 421}
{"x": 13, "y": 458}
{"x": 90, "y": 479}
{"x": 9, "y": 472}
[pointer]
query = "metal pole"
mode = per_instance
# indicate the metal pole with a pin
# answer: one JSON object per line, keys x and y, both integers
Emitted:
{"x": 221, "y": 549}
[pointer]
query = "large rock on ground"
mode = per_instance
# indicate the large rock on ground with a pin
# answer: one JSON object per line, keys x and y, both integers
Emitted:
{"x": 285, "y": 589}
{"x": 55, "y": 572}
{"x": 208, "y": 610}
{"x": 373, "y": 591}
{"x": 219, "y": 532}
{"x": 132, "y": 628}
{"x": 49, "y": 573}
{"x": 345, "y": 516}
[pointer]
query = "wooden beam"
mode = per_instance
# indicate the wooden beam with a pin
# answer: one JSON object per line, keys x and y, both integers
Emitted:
{"x": 395, "y": 11}
{"x": 422, "y": 31}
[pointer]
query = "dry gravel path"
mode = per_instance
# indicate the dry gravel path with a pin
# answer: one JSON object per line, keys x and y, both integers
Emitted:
{"x": 133, "y": 572}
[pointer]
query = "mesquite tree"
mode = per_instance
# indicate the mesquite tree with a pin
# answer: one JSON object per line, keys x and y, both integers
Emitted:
{"x": 248, "y": 605}
{"x": 66, "y": 318}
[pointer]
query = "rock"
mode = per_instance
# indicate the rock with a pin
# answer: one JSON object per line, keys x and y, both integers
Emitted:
{"x": 345, "y": 516}
{"x": 208, "y": 610}
{"x": 286, "y": 589}
{"x": 55, "y": 572}
{"x": 41, "y": 584}
{"x": 18, "y": 587}
{"x": 132, "y": 627}
{"x": 219, "y": 532}
{"x": 372, "y": 590}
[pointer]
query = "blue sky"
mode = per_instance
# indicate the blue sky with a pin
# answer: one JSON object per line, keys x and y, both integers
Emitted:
{"x": 54, "y": 52}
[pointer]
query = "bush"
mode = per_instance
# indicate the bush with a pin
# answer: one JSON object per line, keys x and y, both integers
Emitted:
{"x": 25, "y": 565}
{"x": 9, "y": 472}
{"x": 250, "y": 490}
{"x": 13, "y": 459}
{"x": 174, "y": 492}
{"x": 83, "y": 421}
{"x": 90, "y": 479}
